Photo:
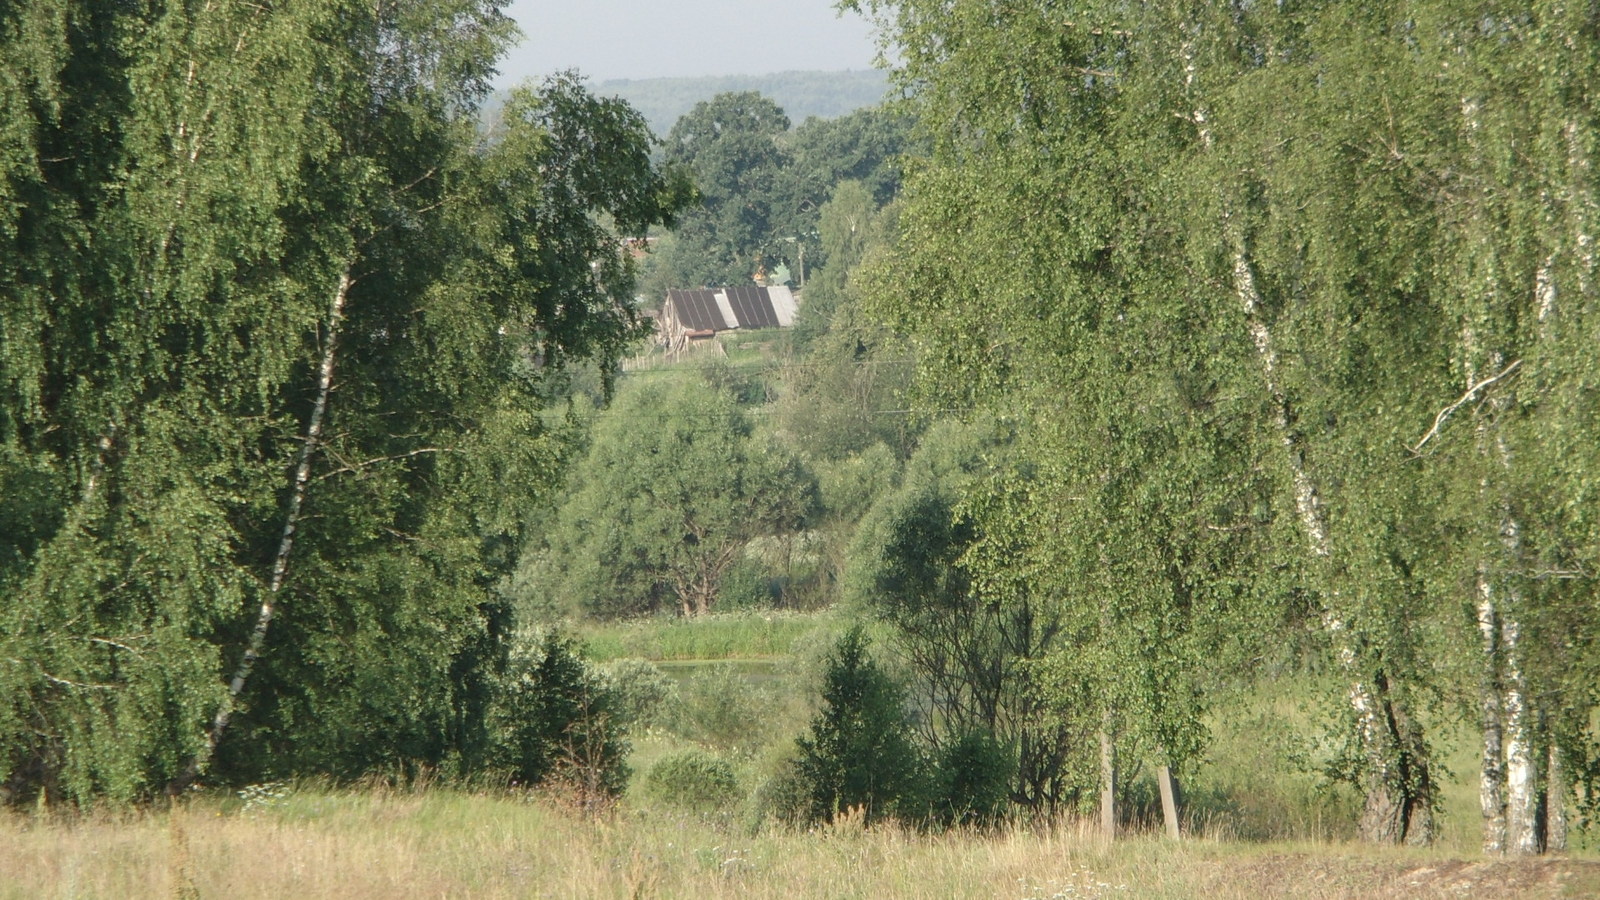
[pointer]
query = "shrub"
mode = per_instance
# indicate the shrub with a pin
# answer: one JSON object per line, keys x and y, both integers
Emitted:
{"x": 859, "y": 752}
{"x": 558, "y": 722}
{"x": 721, "y": 707}
{"x": 644, "y": 693}
{"x": 783, "y": 797}
{"x": 693, "y": 779}
{"x": 971, "y": 780}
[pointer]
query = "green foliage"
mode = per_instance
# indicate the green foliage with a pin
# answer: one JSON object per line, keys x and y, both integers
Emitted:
{"x": 747, "y": 585}
{"x": 644, "y": 694}
{"x": 859, "y": 750}
{"x": 721, "y": 707}
{"x": 673, "y": 488}
{"x": 1224, "y": 300}
{"x": 721, "y": 635}
{"x": 972, "y": 776}
{"x": 243, "y": 237}
{"x": 765, "y": 187}
{"x": 969, "y": 639}
{"x": 784, "y": 797}
{"x": 729, "y": 145}
{"x": 558, "y": 723}
{"x": 693, "y": 779}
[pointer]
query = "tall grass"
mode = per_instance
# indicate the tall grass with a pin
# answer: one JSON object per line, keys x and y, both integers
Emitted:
{"x": 382, "y": 843}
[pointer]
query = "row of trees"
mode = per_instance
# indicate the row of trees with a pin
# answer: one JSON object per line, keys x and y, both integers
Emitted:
{"x": 277, "y": 320}
{"x": 1289, "y": 311}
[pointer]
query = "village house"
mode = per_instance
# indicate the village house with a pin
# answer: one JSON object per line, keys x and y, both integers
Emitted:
{"x": 688, "y": 316}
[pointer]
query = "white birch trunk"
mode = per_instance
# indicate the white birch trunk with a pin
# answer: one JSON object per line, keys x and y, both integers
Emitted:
{"x": 97, "y": 466}
{"x": 1522, "y": 788}
{"x": 1385, "y": 816}
{"x": 1492, "y": 777}
{"x": 309, "y": 442}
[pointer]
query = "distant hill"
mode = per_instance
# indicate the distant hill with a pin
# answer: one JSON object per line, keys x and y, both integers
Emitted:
{"x": 801, "y": 94}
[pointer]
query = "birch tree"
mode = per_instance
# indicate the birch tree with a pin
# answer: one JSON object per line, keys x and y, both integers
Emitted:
{"x": 1518, "y": 82}
{"x": 278, "y": 319}
{"x": 1161, "y": 152}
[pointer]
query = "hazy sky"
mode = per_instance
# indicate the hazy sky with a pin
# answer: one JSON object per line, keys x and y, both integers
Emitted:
{"x": 669, "y": 38}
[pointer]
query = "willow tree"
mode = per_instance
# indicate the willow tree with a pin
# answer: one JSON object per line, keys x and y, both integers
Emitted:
{"x": 674, "y": 486}
{"x": 277, "y": 318}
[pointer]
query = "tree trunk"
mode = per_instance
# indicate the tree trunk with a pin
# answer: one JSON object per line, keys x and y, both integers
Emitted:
{"x": 1108, "y": 786}
{"x": 1522, "y": 787}
{"x": 309, "y": 441}
{"x": 1390, "y": 802}
{"x": 1492, "y": 778}
{"x": 1169, "y": 801}
{"x": 1555, "y": 820}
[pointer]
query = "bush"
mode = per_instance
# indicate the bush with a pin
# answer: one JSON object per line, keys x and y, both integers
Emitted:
{"x": 746, "y": 585}
{"x": 644, "y": 693}
{"x": 859, "y": 752}
{"x": 719, "y": 706}
{"x": 783, "y": 797}
{"x": 693, "y": 779}
{"x": 558, "y": 723}
{"x": 971, "y": 780}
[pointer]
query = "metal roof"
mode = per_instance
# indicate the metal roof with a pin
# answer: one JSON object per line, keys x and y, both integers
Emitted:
{"x": 752, "y": 305}
{"x": 729, "y": 308}
{"x": 697, "y": 310}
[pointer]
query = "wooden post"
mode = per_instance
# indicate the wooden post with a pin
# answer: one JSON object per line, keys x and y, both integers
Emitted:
{"x": 1169, "y": 801}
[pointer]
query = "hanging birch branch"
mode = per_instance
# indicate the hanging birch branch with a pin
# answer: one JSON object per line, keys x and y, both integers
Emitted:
{"x": 1468, "y": 397}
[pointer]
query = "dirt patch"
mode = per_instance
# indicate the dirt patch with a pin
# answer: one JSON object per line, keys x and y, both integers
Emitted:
{"x": 1350, "y": 878}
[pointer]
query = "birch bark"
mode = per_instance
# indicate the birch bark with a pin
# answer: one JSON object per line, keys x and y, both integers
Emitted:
{"x": 1169, "y": 801}
{"x": 309, "y": 441}
{"x": 1390, "y": 812}
{"x": 1492, "y": 777}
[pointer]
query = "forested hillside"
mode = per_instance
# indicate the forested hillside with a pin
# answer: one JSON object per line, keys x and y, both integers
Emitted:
{"x": 1192, "y": 417}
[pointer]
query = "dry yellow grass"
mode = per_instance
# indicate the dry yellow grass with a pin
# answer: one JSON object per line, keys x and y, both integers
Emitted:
{"x": 444, "y": 843}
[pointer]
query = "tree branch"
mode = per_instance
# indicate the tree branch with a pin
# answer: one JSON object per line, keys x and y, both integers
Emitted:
{"x": 356, "y": 467}
{"x": 1468, "y": 397}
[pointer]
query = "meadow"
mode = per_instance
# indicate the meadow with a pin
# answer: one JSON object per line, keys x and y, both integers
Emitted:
{"x": 376, "y": 842}
{"x": 1262, "y": 820}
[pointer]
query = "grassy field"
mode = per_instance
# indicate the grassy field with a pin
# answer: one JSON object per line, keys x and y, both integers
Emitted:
{"x": 380, "y": 843}
{"x": 1264, "y": 822}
